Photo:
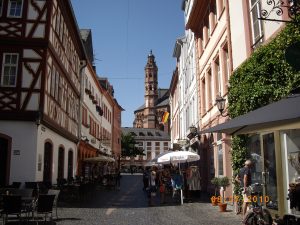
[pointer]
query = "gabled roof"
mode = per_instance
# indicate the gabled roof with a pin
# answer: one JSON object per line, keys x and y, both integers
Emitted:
{"x": 146, "y": 133}
{"x": 163, "y": 103}
{"x": 85, "y": 34}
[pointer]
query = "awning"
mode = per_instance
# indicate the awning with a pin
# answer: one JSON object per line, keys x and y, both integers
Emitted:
{"x": 100, "y": 158}
{"x": 284, "y": 111}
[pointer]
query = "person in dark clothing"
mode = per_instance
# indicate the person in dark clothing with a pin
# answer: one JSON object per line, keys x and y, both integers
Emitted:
{"x": 146, "y": 179}
{"x": 244, "y": 178}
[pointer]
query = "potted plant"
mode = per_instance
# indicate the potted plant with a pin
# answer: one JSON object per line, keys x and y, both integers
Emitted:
{"x": 216, "y": 182}
{"x": 223, "y": 182}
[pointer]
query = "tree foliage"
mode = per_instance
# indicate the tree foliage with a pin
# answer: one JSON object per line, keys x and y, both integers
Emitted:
{"x": 128, "y": 146}
{"x": 263, "y": 78}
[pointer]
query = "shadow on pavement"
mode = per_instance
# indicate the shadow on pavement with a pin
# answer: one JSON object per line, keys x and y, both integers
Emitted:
{"x": 130, "y": 195}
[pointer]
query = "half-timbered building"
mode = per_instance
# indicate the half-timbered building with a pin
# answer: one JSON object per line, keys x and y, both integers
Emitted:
{"x": 41, "y": 57}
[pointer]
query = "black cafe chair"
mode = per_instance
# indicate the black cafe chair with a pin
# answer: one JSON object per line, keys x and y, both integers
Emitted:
{"x": 55, "y": 202}
{"x": 16, "y": 184}
{"x": 12, "y": 206}
{"x": 44, "y": 205}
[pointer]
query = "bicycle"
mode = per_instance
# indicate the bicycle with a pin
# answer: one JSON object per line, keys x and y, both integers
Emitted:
{"x": 257, "y": 215}
{"x": 239, "y": 202}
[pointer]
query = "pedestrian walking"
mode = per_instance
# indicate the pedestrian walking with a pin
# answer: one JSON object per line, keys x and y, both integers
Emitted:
{"x": 244, "y": 177}
{"x": 146, "y": 179}
{"x": 152, "y": 187}
{"x": 118, "y": 178}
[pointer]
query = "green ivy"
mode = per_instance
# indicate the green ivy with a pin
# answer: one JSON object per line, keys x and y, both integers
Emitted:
{"x": 263, "y": 78}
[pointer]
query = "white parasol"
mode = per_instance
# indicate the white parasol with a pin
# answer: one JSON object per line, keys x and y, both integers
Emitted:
{"x": 176, "y": 157}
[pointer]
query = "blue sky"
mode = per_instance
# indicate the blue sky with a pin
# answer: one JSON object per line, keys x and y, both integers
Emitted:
{"x": 124, "y": 32}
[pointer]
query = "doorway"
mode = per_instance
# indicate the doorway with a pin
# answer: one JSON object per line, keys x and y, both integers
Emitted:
{"x": 70, "y": 164}
{"x": 47, "y": 174}
{"x": 4, "y": 159}
{"x": 61, "y": 163}
{"x": 264, "y": 171}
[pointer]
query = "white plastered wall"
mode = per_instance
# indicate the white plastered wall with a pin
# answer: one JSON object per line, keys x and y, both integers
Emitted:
{"x": 23, "y": 149}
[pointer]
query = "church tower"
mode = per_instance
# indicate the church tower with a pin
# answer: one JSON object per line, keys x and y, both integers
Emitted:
{"x": 151, "y": 92}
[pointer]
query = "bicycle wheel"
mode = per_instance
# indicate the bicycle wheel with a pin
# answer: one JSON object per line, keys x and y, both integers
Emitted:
{"x": 266, "y": 215}
{"x": 250, "y": 219}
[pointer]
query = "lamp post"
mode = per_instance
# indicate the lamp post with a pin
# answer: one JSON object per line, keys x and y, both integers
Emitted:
{"x": 193, "y": 129}
{"x": 221, "y": 105}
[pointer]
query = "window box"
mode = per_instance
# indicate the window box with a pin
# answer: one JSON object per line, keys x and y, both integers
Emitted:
{"x": 95, "y": 101}
{"x": 87, "y": 91}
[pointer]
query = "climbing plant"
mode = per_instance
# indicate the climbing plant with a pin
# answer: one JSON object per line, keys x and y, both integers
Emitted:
{"x": 263, "y": 78}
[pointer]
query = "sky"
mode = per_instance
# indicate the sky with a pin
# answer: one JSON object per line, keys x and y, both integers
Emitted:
{"x": 124, "y": 32}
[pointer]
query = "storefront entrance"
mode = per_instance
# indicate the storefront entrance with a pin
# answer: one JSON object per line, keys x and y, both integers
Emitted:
{"x": 264, "y": 171}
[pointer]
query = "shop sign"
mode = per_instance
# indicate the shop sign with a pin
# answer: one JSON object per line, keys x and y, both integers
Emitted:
{"x": 182, "y": 142}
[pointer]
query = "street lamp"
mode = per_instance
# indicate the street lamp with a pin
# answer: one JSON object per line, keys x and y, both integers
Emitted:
{"x": 193, "y": 129}
{"x": 193, "y": 132}
{"x": 221, "y": 104}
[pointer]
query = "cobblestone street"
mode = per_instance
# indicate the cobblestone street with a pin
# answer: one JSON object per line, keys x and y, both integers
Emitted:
{"x": 129, "y": 207}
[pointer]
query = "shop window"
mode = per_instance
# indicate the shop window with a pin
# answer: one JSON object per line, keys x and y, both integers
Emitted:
{"x": 290, "y": 143}
{"x": 9, "y": 69}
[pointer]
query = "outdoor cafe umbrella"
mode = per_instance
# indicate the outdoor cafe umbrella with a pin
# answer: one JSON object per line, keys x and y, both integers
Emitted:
{"x": 176, "y": 157}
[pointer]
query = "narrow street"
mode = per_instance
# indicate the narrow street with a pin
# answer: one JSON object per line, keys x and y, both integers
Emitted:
{"x": 129, "y": 207}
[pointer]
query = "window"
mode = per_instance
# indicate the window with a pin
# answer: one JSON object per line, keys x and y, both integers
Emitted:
{"x": 218, "y": 77}
{"x": 149, "y": 134}
{"x": 15, "y": 8}
{"x": 56, "y": 94}
{"x": 157, "y": 134}
{"x": 220, "y": 155}
{"x": 226, "y": 63}
{"x": 209, "y": 89}
{"x": 1, "y": 6}
{"x": 203, "y": 96}
{"x": 213, "y": 10}
{"x": 9, "y": 69}
{"x": 166, "y": 146}
{"x": 157, "y": 146}
{"x": 257, "y": 29}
